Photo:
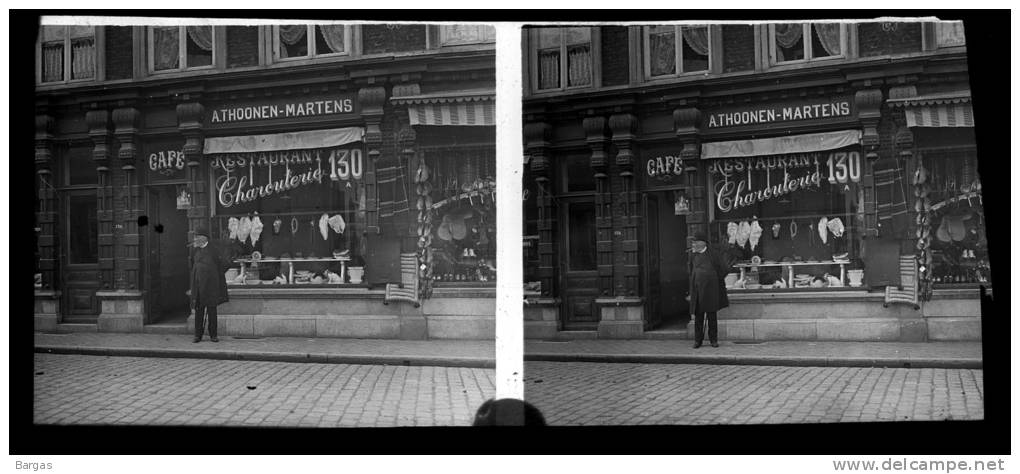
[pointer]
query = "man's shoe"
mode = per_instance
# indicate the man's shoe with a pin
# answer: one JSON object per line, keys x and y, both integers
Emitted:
{"x": 214, "y": 339}
{"x": 697, "y": 345}
{"x": 197, "y": 339}
{"x": 714, "y": 344}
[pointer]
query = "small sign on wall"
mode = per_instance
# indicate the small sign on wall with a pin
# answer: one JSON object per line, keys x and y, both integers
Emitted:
{"x": 183, "y": 197}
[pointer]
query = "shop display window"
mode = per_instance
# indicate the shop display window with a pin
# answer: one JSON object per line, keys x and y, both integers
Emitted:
{"x": 290, "y": 217}
{"x": 671, "y": 50}
{"x": 959, "y": 244}
{"x": 564, "y": 57}
{"x": 460, "y": 191}
{"x": 67, "y": 53}
{"x": 176, "y": 48}
{"x": 304, "y": 41}
{"x": 803, "y": 232}
{"x": 792, "y": 42}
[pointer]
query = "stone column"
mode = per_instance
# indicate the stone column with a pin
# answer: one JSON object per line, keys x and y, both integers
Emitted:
{"x": 595, "y": 132}
{"x": 685, "y": 122}
{"x": 47, "y": 297}
{"x": 413, "y": 324}
{"x": 189, "y": 122}
{"x": 869, "y": 112}
{"x": 371, "y": 98}
{"x": 98, "y": 122}
{"x": 542, "y": 315}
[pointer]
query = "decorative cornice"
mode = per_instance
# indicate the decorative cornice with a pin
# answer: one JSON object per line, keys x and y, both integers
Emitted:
{"x": 686, "y": 121}
{"x": 43, "y": 136}
{"x": 622, "y": 126}
{"x": 189, "y": 122}
{"x": 98, "y": 122}
{"x": 869, "y": 112}
{"x": 125, "y": 123}
{"x": 595, "y": 135}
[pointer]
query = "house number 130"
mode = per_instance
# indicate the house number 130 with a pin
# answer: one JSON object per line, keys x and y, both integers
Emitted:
{"x": 844, "y": 166}
{"x": 346, "y": 164}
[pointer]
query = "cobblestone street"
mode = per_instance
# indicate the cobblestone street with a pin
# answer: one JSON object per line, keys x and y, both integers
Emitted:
{"x": 578, "y": 393}
{"x": 76, "y": 389}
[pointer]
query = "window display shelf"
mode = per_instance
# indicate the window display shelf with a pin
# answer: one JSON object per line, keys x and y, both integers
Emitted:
{"x": 789, "y": 270}
{"x": 290, "y": 264}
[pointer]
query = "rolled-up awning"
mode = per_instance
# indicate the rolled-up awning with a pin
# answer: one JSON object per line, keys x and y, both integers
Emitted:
{"x": 947, "y": 109}
{"x": 460, "y": 108}
{"x": 806, "y": 143}
{"x": 284, "y": 141}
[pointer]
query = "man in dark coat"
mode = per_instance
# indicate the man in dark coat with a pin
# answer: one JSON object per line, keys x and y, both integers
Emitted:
{"x": 707, "y": 269}
{"x": 208, "y": 285}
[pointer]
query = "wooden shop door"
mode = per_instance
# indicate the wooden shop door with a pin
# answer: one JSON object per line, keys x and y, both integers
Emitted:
{"x": 651, "y": 272}
{"x": 80, "y": 251}
{"x": 167, "y": 255}
{"x": 579, "y": 264}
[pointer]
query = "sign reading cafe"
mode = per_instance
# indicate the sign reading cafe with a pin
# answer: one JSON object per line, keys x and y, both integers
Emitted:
{"x": 167, "y": 162}
{"x": 251, "y": 176}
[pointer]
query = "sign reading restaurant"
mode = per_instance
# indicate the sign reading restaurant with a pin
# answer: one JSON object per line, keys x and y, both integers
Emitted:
{"x": 766, "y": 114}
{"x": 335, "y": 105}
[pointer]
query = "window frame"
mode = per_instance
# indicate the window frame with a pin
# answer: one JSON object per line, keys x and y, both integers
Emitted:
{"x": 310, "y": 39}
{"x": 678, "y": 51}
{"x": 98, "y": 57}
{"x": 564, "y": 67}
{"x": 844, "y": 43}
{"x": 182, "y": 51}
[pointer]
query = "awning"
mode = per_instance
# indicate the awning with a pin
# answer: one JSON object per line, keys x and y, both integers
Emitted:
{"x": 284, "y": 141}
{"x": 947, "y": 109}
{"x": 462, "y": 108}
{"x": 806, "y": 143}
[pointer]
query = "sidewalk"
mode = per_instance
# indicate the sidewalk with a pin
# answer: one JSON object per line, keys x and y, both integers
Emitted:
{"x": 956, "y": 355}
{"x": 438, "y": 353}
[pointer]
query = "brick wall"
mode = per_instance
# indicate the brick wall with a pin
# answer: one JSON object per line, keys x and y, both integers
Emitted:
{"x": 242, "y": 46}
{"x": 615, "y": 56}
{"x": 876, "y": 39}
{"x": 119, "y": 63}
{"x": 392, "y": 38}
{"x": 738, "y": 47}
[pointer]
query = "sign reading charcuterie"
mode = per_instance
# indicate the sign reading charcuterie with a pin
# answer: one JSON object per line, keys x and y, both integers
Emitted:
{"x": 247, "y": 177}
{"x": 746, "y": 181}
{"x": 767, "y": 114}
{"x": 337, "y": 105}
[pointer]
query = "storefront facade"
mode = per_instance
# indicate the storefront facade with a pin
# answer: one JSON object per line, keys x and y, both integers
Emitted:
{"x": 317, "y": 156}
{"x": 809, "y": 163}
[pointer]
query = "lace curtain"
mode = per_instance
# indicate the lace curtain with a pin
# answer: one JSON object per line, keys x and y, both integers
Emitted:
{"x": 579, "y": 65}
{"x": 53, "y": 62}
{"x": 202, "y": 36}
{"x": 334, "y": 36}
{"x": 549, "y": 69}
{"x": 662, "y": 51}
{"x": 828, "y": 35}
{"x": 697, "y": 38}
{"x": 291, "y": 34}
{"x": 787, "y": 34}
{"x": 83, "y": 58}
{"x": 166, "y": 48}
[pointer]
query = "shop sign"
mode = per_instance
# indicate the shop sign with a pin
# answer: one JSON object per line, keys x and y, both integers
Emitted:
{"x": 167, "y": 163}
{"x": 746, "y": 181}
{"x": 284, "y": 170}
{"x": 664, "y": 166}
{"x": 767, "y": 114}
{"x": 336, "y": 105}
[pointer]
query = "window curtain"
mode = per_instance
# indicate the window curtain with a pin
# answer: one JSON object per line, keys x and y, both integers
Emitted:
{"x": 662, "y": 53}
{"x": 334, "y": 36}
{"x": 549, "y": 69}
{"x": 828, "y": 35}
{"x": 787, "y": 34}
{"x": 53, "y": 62}
{"x": 202, "y": 36}
{"x": 166, "y": 48}
{"x": 83, "y": 58}
{"x": 291, "y": 35}
{"x": 579, "y": 65}
{"x": 697, "y": 38}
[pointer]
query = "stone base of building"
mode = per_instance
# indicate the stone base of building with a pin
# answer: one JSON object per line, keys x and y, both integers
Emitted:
{"x": 620, "y": 318}
{"x": 47, "y": 311}
{"x": 121, "y": 311}
{"x": 540, "y": 317}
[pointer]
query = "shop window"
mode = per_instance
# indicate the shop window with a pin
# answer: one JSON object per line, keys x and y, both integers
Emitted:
{"x": 674, "y": 50}
{"x": 463, "y": 216}
{"x": 307, "y": 41}
{"x": 455, "y": 35}
{"x": 178, "y": 48}
{"x": 82, "y": 228}
{"x": 959, "y": 244}
{"x": 794, "y": 42}
{"x": 949, "y": 33}
{"x": 67, "y": 53}
{"x": 302, "y": 209}
{"x": 796, "y": 216}
{"x": 581, "y": 236}
{"x": 563, "y": 57}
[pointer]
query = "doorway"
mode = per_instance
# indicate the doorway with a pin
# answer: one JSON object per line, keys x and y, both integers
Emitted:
{"x": 667, "y": 255}
{"x": 80, "y": 253}
{"x": 578, "y": 264}
{"x": 166, "y": 238}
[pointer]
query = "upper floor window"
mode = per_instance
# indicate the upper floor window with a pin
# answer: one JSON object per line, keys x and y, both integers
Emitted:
{"x": 672, "y": 50}
{"x": 176, "y": 48}
{"x": 792, "y": 42}
{"x": 949, "y": 33}
{"x": 563, "y": 57}
{"x": 455, "y": 35}
{"x": 67, "y": 53}
{"x": 306, "y": 41}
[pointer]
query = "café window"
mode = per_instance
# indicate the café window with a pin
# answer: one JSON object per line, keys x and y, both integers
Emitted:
{"x": 562, "y": 57}
{"x": 291, "y": 217}
{"x": 463, "y": 216}
{"x": 307, "y": 41}
{"x": 178, "y": 48}
{"x": 456, "y": 35}
{"x": 959, "y": 243}
{"x": 794, "y": 42}
{"x": 789, "y": 221}
{"x": 66, "y": 53}
{"x": 673, "y": 50}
